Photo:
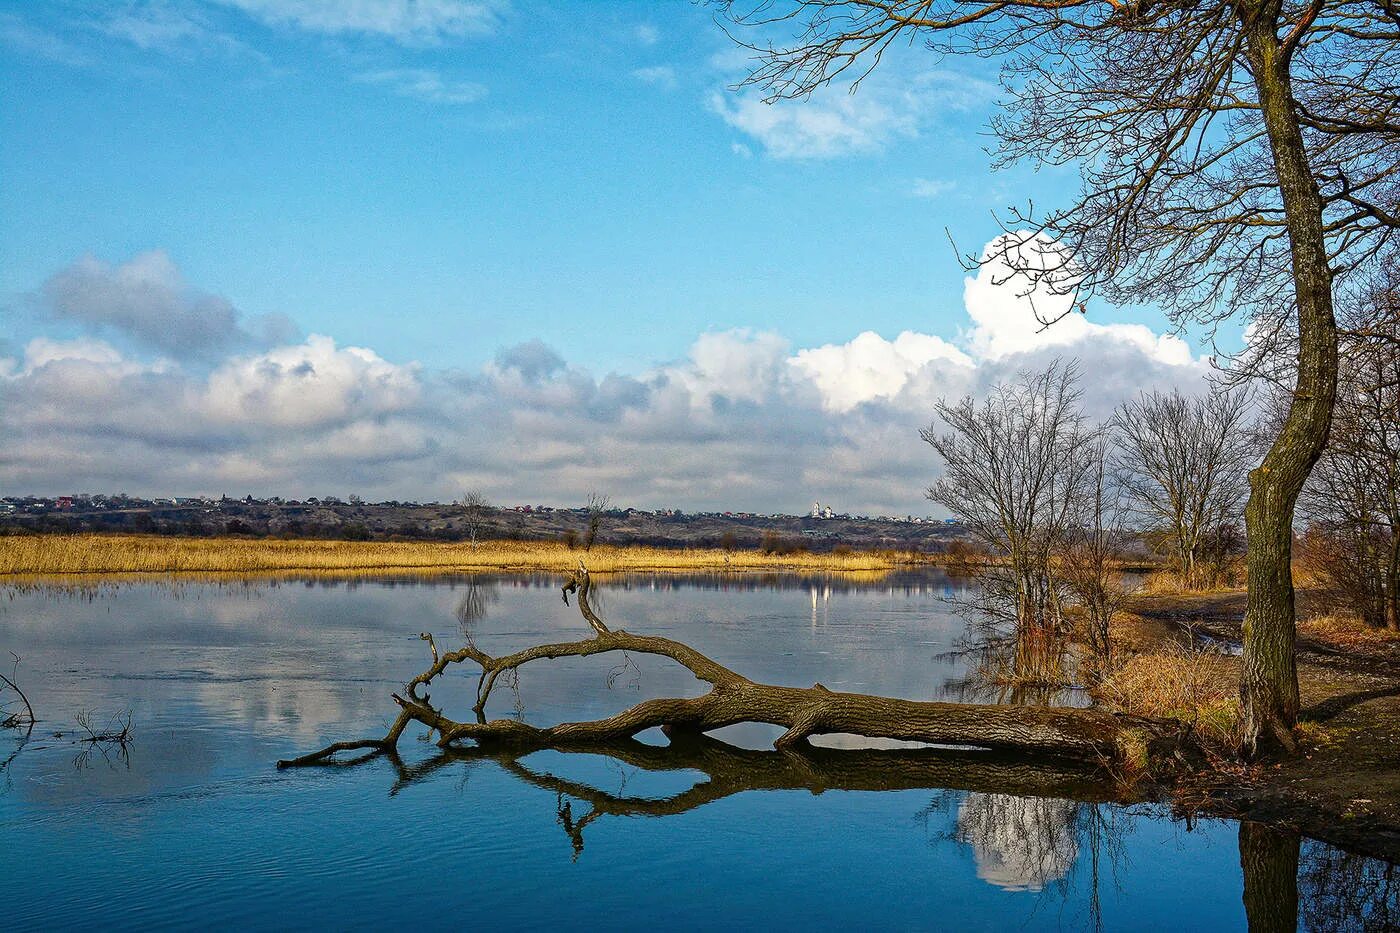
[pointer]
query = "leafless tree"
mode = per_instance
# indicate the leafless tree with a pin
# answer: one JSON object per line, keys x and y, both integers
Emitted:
{"x": 1090, "y": 560}
{"x": 596, "y": 506}
{"x": 1184, "y": 462}
{"x": 1240, "y": 159}
{"x": 1353, "y": 497}
{"x": 1015, "y": 468}
{"x": 475, "y": 508}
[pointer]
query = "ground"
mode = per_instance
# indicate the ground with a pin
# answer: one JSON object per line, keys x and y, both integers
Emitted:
{"x": 1344, "y": 786}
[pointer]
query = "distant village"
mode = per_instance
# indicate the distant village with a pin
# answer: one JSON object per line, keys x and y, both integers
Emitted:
{"x": 351, "y": 517}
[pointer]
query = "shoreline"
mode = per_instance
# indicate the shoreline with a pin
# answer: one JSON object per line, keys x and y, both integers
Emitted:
{"x": 1343, "y": 786}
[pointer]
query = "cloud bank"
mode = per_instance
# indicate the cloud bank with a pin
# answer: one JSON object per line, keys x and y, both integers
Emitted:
{"x": 744, "y": 421}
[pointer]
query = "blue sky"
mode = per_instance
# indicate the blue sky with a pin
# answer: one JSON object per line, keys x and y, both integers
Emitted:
{"x": 442, "y": 181}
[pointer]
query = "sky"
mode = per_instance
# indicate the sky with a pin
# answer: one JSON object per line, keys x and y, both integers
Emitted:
{"x": 407, "y": 248}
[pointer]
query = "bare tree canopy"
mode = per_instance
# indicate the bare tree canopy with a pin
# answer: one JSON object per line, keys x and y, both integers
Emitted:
{"x": 1165, "y": 109}
{"x": 596, "y": 506}
{"x": 1184, "y": 462}
{"x": 1237, "y": 158}
{"x": 475, "y": 508}
{"x": 1353, "y": 497}
{"x": 1018, "y": 469}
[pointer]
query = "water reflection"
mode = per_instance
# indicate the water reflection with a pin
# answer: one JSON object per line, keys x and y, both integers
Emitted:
{"x": 721, "y": 770}
{"x": 1029, "y": 827}
{"x": 1021, "y": 843}
{"x": 224, "y": 679}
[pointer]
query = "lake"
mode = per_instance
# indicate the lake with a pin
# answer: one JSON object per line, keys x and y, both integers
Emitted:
{"x": 192, "y": 824}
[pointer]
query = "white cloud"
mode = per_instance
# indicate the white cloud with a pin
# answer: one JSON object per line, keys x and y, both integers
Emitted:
{"x": 314, "y": 384}
{"x": 646, "y": 34}
{"x": 744, "y": 420}
{"x": 425, "y": 84}
{"x": 831, "y": 123}
{"x": 836, "y": 120}
{"x": 662, "y": 76}
{"x": 406, "y": 21}
{"x": 871, "y": 367}
{"x": 155, "y": 25}
{"x": 1007, "y": 309}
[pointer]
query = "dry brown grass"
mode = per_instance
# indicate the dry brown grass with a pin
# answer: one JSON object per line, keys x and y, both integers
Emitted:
{"x": 90, "y": 554}
{"x": 1164, "y": 582}
{"x": 1161, "y": 583}
{"x": 1193, "y": 686}
{"x": 1345, "y": 630}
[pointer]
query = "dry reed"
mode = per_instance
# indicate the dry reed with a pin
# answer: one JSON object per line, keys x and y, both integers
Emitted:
{"x": 1345, "y": 630}
{"x": 53, "y": 555}
{"x": 1196, "y": 686}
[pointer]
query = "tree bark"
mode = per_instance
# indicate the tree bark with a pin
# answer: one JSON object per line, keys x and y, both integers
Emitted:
{"x": 1129, "y": 744}
{"x": 1268, "y": 673}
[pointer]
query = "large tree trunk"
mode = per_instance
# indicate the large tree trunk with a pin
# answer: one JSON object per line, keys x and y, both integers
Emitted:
{"x": 1129, "y": 743}
{"x": 1268, "y": 673}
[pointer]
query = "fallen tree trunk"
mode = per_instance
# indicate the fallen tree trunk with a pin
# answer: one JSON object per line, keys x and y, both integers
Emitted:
{"x": 1127, "y": 743}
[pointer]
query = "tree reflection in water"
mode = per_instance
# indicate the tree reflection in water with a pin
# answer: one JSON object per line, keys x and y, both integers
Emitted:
{"x": 477, "y": 597}
{"x": 1340, "y": 890}
{"x": 1036, "y": 844}
{"x": 1030, "y": 826}
{"x": 1020, "y": 843}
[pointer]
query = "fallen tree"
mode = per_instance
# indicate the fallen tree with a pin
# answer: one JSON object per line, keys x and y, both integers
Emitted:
{"x": 1129, "y": 744}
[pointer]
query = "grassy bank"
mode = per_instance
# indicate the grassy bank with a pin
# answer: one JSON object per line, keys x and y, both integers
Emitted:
{"x": 54, "y": 555}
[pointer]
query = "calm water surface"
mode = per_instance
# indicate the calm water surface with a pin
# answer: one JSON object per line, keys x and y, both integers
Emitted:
{"x": 193, "y": 826}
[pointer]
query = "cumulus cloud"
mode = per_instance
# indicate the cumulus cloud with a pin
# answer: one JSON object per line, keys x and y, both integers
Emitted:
{"x": 426, "y": 84}
{"x": 743, "y": 420}
{"x": 1005, "y": 306}
{"x": 871, "y": 367}
{"x": 148, "y": 301}
{"x": 406, "y": 21}
{"x": 310, "y": 385}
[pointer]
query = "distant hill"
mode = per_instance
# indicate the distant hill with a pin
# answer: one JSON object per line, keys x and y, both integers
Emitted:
{"x": 437, "y": 522}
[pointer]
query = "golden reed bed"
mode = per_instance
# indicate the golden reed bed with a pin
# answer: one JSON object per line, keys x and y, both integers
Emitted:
{"x": 92, "y": 554}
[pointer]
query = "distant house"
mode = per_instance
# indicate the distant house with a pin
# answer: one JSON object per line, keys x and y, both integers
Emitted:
{"x": 65, "y": 502}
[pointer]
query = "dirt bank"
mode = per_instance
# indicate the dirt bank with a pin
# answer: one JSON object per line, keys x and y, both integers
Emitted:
{"x": 1344, "y": 787}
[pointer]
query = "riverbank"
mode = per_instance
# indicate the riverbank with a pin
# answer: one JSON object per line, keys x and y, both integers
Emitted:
{"x": 1344, "y": 785}
{"x": 92, "y": 554}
